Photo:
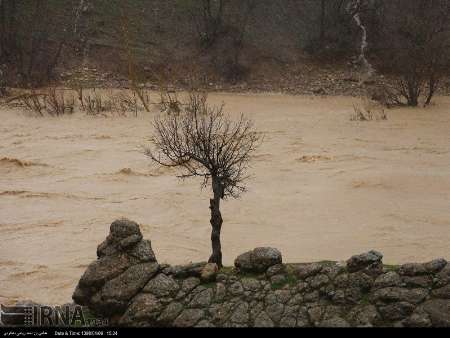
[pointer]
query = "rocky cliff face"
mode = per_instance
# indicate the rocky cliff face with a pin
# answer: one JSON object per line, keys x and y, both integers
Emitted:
{"x": 128, "y": 286}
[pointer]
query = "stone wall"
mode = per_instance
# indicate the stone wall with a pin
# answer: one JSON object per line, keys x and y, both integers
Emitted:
{"x": 128, "y": 286}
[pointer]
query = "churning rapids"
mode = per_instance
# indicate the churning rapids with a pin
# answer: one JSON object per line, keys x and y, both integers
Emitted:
{"x": 323, "y": 188}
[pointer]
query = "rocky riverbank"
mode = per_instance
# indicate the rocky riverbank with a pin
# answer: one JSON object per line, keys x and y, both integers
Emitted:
{"x": 128, "y": 286}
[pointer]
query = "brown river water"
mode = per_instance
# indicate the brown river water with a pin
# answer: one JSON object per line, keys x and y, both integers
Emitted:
{"x": 323, "y": 188}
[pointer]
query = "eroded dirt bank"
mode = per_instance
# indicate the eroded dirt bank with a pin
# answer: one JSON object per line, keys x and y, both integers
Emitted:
{"x": 323, "y": 188}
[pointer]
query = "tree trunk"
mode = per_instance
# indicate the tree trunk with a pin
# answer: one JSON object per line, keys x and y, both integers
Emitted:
{"x": 413, "y": 91}
{"x": 413, "y": 101}
{"x": 431, "y": 90}
{"x": 216, "y": 224}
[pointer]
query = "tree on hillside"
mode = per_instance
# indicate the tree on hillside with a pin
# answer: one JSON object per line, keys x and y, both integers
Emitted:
{"x": 32, "y": 39}
{"x": 328, "y": 25}
{"x": 206, "y": 143}
{"x": 415, "y": 46}
{"x": 208, "y": 16}
{"x": 221, "y": 27}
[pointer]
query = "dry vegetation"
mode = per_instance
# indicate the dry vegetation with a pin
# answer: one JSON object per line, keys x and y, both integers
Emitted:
{"x": 52, "y": 102}
{"x": 368, "y": 111}
{"x": 57, "y": 102}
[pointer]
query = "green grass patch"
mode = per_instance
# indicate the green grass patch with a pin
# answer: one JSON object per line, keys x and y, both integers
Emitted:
{"x": 290, "y": 280}
{"x": 365, "y": 299}
{"x": 389, "y": 267}
{"x": 327, "y": 263}
{"x": 227, "y": 270}
{"x": 210, "y": 285}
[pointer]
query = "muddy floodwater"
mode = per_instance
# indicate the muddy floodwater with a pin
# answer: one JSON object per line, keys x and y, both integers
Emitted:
{"x": 323, "y": 188}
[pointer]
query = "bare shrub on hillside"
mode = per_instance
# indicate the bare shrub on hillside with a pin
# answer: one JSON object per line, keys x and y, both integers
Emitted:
{"x": 80, "y": 91}
{"x": 95, "y": 105}
{"x": 121, "y": 104}
{"x": 169, "y": 102}
{"x": 57, "y": 104}
{"x": 416, "y": 47}
{"x": 367, "y": 111}
{"x": 32, "y": 101}
{"x": 52, "y": 102}
{"x": 125, "y": 103}
{"x": 386, "y": 95}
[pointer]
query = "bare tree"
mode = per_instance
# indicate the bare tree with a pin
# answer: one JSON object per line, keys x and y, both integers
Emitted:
{"x": 416, "y": 46}
{"x": 328, "y": 25}
{"x": 208, "y": 18}
{"x": 222, "y": 27}
{"x": 206, "y": 143}
{"x": 30, "y": 46}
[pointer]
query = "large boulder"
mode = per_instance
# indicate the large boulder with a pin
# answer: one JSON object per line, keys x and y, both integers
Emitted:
{"x": 443, "y": 277}
{"x": 162, "y": 286}
{"x": 104, "y": 269}
{"x": 304, "y": 271}
{"x": 189, "y": 317}
{"x": 143, "y": 311}
{"x": 388, "y": 279}
{"x": 96, "y": 275}
{"x": 125, "y": 236}
{"x": 397, "y": 294}
{"x": 142, "y": 252}
{"x": 244, "y": 262}
{"x": 443, "y": 292}
{"x": 125, "y": 264}
{"x": 116, "y": 293}
{"x": 371, "y": 260}
{"x": 412, "y": 269}
{"x": 419, "y": 269}
{"x": 258, "y": 260}
{"x": 436, "y": 265}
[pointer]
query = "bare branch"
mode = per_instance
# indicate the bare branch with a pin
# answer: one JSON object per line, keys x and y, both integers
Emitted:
{"x": 206, "y": 143}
